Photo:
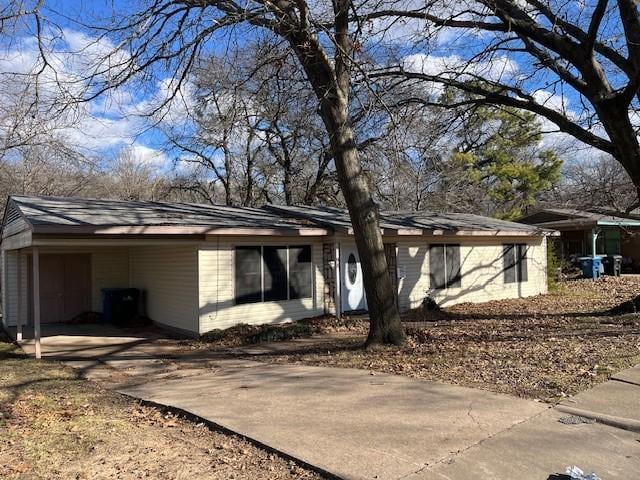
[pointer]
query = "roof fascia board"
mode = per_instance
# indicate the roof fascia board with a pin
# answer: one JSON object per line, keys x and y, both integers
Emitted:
{"x": 175, "y": 230}
{"x": 578, "y": 223}
{"x": 623, "y": 223}
{"x": 109, "y": 242}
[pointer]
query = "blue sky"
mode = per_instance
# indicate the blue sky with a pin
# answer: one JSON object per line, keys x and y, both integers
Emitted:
{"x": 115, "y": 120}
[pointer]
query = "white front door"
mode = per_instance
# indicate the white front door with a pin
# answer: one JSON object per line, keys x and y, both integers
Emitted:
{"x": 352, "y": 288}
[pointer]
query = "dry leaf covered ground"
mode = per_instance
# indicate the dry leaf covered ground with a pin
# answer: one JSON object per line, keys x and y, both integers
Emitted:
{"x": 543, "y": 347}
{"x": 54, "y": 425}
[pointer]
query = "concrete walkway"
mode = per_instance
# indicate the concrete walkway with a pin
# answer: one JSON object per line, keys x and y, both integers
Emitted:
{"x": 597, "y": 430}
{"x": 345, "y": 421}
{"x": 361, "y": 426}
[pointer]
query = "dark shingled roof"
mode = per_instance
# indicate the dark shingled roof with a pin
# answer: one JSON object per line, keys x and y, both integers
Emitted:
{"x": 568, "y": 217}
{"x": 93, "y": 212}
{"x": 72, "y": 214}
{"x": 338, "y": 218}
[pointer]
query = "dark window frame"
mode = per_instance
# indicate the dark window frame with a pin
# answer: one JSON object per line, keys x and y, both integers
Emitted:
{"x": 515, "y": 263}
{"x": 239, "y": 295}
{"x": 291, "y": 292}
{"x": 447, "y": 251}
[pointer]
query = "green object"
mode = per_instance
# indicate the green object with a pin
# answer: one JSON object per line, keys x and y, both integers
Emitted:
{"x": 498, "y": 151}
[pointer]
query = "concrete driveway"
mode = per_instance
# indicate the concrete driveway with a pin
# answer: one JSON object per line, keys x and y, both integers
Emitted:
{"x": 358, "y": 425}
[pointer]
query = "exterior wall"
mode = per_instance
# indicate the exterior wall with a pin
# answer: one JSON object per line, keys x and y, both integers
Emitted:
{"x": 15, "y": 285}
{"x": 481, "y": 267}
{"x": 3, "y": 286}
{"x": 14, "y": 222}
{"x": 216, "y": 272}
{"x": 23, "y": 294}
{"x": 9, "y": 293}
{"x": 168, "y": 277}
{"x": 109, "y": 269}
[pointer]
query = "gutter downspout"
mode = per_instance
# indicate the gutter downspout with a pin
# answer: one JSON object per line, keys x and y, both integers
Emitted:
{"x": 594, "y": 237}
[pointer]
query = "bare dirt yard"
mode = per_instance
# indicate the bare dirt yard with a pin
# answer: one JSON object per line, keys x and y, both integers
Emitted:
{"x": 545, "y": 347}
{"x": 55, "y": 425}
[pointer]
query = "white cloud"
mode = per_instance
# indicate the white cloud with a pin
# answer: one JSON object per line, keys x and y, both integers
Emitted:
{"x": 151, "y": 157}
{"x": 551, "y": 100}
{"x": 100, "y": 126}
{"x": 453, "y": 66}
{"x": 498, "y": 68}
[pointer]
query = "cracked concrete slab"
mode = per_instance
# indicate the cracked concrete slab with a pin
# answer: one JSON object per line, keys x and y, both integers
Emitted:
{"x": 613, "y": 398}
{"x": 357, "y": 425}
{"x": 541, "y": 448}
{"x": 344, "y": 421}
{"x": 630, "y": 375}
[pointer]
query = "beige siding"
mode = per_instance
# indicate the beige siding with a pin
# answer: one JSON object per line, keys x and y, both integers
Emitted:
{"x": 23, "y": 294}
{"x": 482, "y": 275}
{"x": 168, "y": 275}
{"x": 11, "y": 294}
{"x": 3, "y": 286}
{"x": 15, "y": 222}
{"x": 216, "y": 270}
{"x": 109, "y": 269}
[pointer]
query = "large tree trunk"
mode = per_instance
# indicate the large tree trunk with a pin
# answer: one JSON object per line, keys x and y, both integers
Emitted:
{"x": 616, "y": 122}
{"x": 331, "y": 84}
{"x": 384, "y": 317}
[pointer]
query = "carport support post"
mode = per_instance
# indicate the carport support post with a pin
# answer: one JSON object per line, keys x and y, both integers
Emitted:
{"x": 338, "y": 284}
{"x": 594, "y": 238}
{"x": 36, "y": 301}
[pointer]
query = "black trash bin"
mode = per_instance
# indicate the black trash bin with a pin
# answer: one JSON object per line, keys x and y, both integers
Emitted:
{"x": 120, "y": 305}
{"x": 612, "y": 265}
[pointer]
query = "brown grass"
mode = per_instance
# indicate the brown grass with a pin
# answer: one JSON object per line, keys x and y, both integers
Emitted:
{"x": 55, "y": 425}
{"x": 543, "y": 347}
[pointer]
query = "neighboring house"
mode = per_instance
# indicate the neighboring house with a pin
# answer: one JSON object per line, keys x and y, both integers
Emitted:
{"x": 204, "y": 267}
{"x": 596, "y": 231}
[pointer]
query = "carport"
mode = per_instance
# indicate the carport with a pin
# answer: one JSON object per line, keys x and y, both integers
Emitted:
{"x": 597, "y": 231}
{"x": 58, "y": 254}
{"x": 57, "y": 284}
{"x": 57, "y": 259}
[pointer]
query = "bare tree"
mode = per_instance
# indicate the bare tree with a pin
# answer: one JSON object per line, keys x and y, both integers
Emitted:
{"x": 130, "y": 177}
{"x": 175, "y": 32}
{"x": 588, "y": 52}
{"x": 47, "y": 169}
{"x": 255, "y": 128}
{"x": 595, "y": 182}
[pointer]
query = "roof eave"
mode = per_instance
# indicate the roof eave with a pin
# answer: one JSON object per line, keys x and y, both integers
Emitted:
{"x": 475, "y": 233}
{"x": 176, "y": 230}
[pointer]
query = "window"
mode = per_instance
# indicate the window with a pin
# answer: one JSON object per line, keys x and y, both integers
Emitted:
{"x": 444, "y": 266}
{"x": 515, "y": 262}
{"x": 273, "y": 273}
{"x": 352, "y": 269}
{"x": 248, "y": 275}
{"x": 300, "y": 272}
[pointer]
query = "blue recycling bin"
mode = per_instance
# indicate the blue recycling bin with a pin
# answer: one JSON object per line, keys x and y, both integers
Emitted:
{"x": 591, "y": 267}
{"x": 120, "y": 305}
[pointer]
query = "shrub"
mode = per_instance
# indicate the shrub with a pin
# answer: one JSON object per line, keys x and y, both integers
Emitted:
{"x": 554, "y": 264}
